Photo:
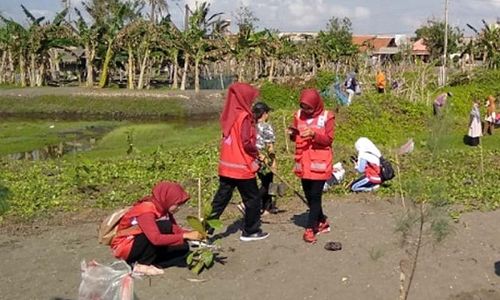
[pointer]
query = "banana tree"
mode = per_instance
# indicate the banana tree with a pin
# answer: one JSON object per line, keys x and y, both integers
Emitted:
{"x": 170, "y": 43}
{"x": 110, "y": 17}
{"x": 87, "y": 36}
{"x": 488, "y": 43}
{"x": 158, "y": 7}
{"x": 201, "y": 38}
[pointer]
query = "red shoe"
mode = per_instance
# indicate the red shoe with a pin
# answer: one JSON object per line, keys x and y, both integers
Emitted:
{"x": 309, "y": 236}
{"x": 323, "y": 227}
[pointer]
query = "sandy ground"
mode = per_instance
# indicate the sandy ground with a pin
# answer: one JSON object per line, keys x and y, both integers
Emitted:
{"x": 45, "y": 264}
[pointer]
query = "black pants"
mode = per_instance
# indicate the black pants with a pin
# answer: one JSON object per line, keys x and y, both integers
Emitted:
{"x": 265, "y": 180}
{"x": 380, "y": 90}
{"x": 314, "y": 191}
{"x": 145, "y": 253}
{"x": 250, "y": 196}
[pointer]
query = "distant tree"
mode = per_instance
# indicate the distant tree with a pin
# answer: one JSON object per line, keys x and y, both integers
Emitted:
{"x": 246, "y": 20}
{"x": 433, "y": 35}
{"x": 336, "y": 39}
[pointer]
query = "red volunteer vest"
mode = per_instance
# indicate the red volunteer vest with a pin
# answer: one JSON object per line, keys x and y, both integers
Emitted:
{"x": 122, "y": 244}
{"x": 311, "y": 162}
{"x": 234, "y": 162}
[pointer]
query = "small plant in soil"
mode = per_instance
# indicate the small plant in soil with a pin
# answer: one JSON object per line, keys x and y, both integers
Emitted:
{"x": 205, "y": 254}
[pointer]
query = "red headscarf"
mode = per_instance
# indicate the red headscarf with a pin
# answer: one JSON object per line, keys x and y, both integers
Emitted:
{"x": 240, "y": 97}
{"x": 166, "y": 194}
{"x": 311, "y": 98}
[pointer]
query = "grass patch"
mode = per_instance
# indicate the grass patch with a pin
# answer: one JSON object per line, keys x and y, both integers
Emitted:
{"x": 91, "y": 107}
{"x": 146, "y": 138}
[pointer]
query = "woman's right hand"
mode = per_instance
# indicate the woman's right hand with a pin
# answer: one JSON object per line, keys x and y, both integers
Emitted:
{"x": 193, "y": 236}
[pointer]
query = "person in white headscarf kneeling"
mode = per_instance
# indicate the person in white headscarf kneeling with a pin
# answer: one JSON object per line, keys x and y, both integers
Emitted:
{"x": 368, "y": 164}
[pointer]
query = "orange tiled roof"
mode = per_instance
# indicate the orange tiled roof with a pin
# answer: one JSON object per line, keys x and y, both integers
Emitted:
{"x": 365, "y": 42}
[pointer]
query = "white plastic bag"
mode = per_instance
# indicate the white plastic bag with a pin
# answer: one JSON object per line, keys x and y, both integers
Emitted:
{"x": 101, "y": 282}
{"x": 338, "y": 174}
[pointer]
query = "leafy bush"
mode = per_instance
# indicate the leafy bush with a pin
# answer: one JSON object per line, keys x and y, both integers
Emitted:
{"x": 277, "y": 96}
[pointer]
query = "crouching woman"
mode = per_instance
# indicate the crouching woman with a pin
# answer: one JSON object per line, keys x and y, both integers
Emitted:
{"x": 148, "y": 236}
{"x": 368, "y": 164}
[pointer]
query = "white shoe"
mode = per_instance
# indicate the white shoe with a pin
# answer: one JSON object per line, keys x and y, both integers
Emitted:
{"x": 241, "y": 208}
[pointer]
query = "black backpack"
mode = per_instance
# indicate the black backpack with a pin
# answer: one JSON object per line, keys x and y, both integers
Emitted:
{"x": 386, "y": 169}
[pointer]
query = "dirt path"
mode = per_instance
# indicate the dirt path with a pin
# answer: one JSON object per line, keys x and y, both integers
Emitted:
{"x": 46, "y": 265}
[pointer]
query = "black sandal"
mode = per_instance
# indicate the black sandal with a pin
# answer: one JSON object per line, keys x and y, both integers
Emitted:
{"x": 333, "y": 246}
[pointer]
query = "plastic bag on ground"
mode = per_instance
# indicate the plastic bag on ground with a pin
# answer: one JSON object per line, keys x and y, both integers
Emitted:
{"x": 101, "y": 282}
{"x": 338, "y": 174}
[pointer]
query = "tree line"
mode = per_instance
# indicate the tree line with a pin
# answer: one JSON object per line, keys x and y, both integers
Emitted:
{"x": 120, "y": 37}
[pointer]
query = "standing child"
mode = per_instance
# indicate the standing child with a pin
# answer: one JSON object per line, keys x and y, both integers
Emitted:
{"x": 265, "y": 145}
{"x": 312, "y": 132}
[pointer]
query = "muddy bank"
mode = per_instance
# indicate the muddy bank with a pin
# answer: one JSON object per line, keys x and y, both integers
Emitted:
{"x": 96, "y": 104}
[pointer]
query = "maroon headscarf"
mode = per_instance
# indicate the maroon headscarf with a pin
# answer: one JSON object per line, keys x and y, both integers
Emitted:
{"x": 240, "y": 97}
{"x": 166, "y": 194}
{"x": 312, "y": 98}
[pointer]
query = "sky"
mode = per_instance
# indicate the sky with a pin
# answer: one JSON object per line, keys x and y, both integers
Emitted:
{"x": 367, "y": 16}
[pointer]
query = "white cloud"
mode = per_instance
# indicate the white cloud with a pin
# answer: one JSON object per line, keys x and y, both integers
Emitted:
{"x": 361, "y": 12}
{"x": 495, "y": 2}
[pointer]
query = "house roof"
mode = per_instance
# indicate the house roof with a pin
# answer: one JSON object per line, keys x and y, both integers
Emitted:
{"x": 372, "y": 42}
{"x": 419, "y": 48}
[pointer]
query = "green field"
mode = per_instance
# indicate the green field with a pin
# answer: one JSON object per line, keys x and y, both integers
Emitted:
{"x": 441, "y": 171}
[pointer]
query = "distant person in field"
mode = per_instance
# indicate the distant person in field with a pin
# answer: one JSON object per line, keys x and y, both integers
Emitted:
{"x": 490, "y": 117}
{"x": 351, "y": 86}
{"x": 440, "y": 102}
{"x": 313, "y": 132}
{"x": 380, "y": 82}
{"x": 148, "y": 236}
{"x": 368, "y": 164}
{"x": 239, "y": 159}
{"x": 475, "y": 131}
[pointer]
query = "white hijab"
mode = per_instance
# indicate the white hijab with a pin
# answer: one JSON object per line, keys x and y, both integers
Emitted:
{"x": 367, "y": 151}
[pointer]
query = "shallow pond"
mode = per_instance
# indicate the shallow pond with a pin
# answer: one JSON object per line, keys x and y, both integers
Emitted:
{"x": 39, "y": 140}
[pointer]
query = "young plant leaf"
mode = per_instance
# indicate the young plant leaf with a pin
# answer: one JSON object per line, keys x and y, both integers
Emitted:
{"x": 207, "y": 258}
{"x": 189, "y": 258}
{"x": 197, "y": 269}
{"x": 215, "y": 223}
{"x": 196, "y": 224}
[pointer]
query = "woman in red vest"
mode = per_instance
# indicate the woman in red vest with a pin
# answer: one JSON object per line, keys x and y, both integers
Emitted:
{"x": 312, "y": 132}
{"x": 148, "y": 235}
{"x": 239, "y": 159}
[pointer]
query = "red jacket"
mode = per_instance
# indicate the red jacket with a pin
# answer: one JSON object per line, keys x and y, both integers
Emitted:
{"x": 234, "y": 161}
{"x": 143, "y": 214}
{"x": 314, "y": 156}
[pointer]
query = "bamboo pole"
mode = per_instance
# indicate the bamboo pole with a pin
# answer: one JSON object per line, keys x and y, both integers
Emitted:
{"x": 286, "y": 135}
{"x": 199, "y": 198}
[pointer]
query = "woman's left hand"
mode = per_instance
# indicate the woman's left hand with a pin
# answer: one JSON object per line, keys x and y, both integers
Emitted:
{"x": 308, "y": 132}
